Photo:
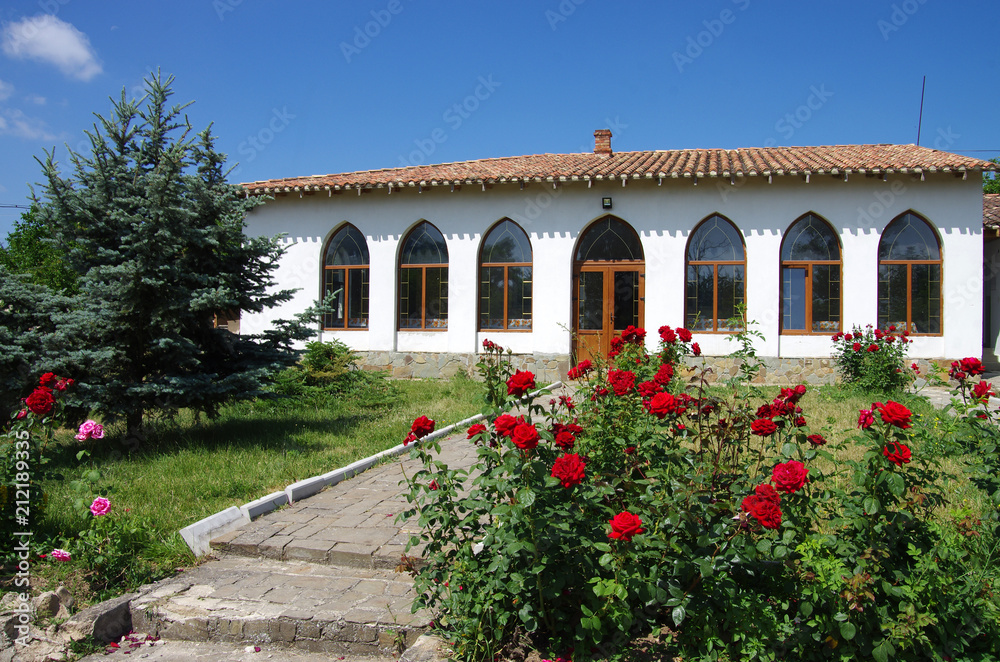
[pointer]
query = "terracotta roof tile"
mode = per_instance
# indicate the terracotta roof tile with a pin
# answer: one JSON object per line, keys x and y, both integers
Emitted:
{"x": 754, "y": 161}
{"x": 991, "y": 210}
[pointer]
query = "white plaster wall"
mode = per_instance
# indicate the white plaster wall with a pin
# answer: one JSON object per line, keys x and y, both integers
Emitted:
{"x": 663, "y": 216}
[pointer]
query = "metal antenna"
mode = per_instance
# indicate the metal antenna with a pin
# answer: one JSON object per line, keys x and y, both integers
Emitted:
{"x": 920, "y": 121}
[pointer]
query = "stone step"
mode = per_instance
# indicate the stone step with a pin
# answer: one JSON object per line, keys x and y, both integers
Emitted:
{"x": 305, "y": 606}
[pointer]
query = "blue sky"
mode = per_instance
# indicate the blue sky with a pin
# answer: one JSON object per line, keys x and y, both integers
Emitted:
{"x": 301, "y": 88}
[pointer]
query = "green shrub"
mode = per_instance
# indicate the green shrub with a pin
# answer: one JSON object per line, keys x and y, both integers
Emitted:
{"x": 657, "y": 505}
{"x": 873, "y": 359}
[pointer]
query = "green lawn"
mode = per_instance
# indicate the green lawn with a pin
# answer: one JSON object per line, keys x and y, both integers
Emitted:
{"x": 189, "y": 469}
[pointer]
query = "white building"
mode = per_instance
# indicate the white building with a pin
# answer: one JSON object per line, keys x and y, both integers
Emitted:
{"x": 550, "y": 254}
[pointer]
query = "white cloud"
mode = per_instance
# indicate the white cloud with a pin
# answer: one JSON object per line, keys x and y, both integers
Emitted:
{"x": 6, "y": 89}
{"x": 14, "y": 122}
{"x": 49, "y": 39}
{"x": 36, "y": 99}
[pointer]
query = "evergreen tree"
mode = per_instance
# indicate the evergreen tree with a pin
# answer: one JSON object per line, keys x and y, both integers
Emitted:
{"x": 991, "y": 183}
{"x": 155, "y": 234}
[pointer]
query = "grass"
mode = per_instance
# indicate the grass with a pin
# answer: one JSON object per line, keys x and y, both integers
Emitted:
{"x": 190, "y": 467}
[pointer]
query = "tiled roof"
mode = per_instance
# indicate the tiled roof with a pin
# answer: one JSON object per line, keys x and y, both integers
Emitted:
{"x": 685, "y": 163}
{"x": 991, "y": 210}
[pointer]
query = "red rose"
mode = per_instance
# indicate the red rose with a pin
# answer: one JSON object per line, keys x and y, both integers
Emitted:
{"x": 48, "y": 380}
{"x": 410, "y": 438}
{"x": 763, "y": 506}
{"x": 433, "y": 485}
{"x": 621, "y": 381}
{"x": 789, "y": 476}
{"x": 422, "y": 427}
{"x": 856, "y": 347}
{"x": 565, "y": 440}
{"x": 648, "y": 389}
{"x": 40, "y": 402}
{"x": 800, "y": 422}
{"x": 505, "y": 424}
{"x": 766, "y": 411}
{"x": 816, "y": 439}
{"x": 897, "y": 453}
{"x": 972, "y": 366}
{"x": 520, "y": 383}
{"x": 21, "y": 414}
{"x": 684, "y": 334}
{"x": 894, "y": 413}
{"x": 664, "y": 374}
{"x": 634, "y": 335}
{"x": 624, "y": 526}
{"x": 491, "y": 346}
{"x": 865, "y": 419}
{"x": 661, "y": 405}
{"x": 982, "y": 391}
{"x": 478, "y": 428}
{"x": 580, "y": 370}
{"x": 848, "y": 337}
{"x": 763, "y": 427}
{"x": 873, "y": 347}
{"x": 667, "y": 335}
{"x": 695, "y": 349}
{"x": 525, "y": 436}
{"x": 569, "y": 469}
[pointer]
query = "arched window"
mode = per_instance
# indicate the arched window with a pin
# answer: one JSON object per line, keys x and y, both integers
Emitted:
{"x": 810, "y": 277}
{"x": 505, "y": 280}
{"x": 345, "y": 280}
{"x": 909, "y": 276}
{"x": 716, "y": 275}
{"x": 423, "y": 279}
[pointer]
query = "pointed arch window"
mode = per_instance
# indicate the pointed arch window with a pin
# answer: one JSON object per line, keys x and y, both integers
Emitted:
{"x": 716, "y": 276}
{"x": 909, "y": 276}
{"x": 505, "y": 279}
{"x": 810, "y": 278}
{"x": 345, "y": 280}
{"x": 423, "y": 280}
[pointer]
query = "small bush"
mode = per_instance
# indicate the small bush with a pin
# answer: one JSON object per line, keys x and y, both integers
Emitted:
{"x": 873, "y": 359}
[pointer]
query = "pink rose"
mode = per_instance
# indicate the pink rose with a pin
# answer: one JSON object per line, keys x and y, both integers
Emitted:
{"x": 60, "y": 555}
{"x": 101, "y": 506}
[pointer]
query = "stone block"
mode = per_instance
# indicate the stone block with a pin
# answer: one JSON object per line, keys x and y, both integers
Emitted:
{"x": 198, "y": 535}
{"x": 258, "y": 507}
{"x": 106, "y": 621}
{"x": 315, "y": 551}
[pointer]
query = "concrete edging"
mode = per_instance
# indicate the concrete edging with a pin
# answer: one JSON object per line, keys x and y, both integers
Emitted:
{"x": 198, "y": 535}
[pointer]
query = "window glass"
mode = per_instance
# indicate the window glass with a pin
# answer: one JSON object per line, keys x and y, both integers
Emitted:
{"x": 810, "y": 239}
{"x": 609, "y": 239}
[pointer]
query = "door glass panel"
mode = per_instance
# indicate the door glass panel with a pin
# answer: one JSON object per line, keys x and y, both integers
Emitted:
{"x": 519, "y": 297}
{"x": 333, "y": 292}
{"x": 793, "y": 298}
{"x": 730, "y": 295}
{"x": 591, "y": 300}
{"x": 700, "y": 285}
{"x": 626, "y": 299}
{"x": 358, "y": 299}
{"x": 826, "y": 298}
{"x": 892, "y": 296}
{"x": 926, "y": 288}
{"x": 491, "y": 298}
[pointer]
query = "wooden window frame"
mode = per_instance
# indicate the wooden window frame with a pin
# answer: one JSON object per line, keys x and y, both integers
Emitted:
{"x": 347, "y": 283}
{"x": 506, "y": 297}
{"x": 909, "y": 276}
{"x": 715, "y": 264}
{"x": 808, "y": 265}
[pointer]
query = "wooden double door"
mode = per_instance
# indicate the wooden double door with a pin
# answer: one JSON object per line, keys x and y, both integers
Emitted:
{"x": 608, "y": 298}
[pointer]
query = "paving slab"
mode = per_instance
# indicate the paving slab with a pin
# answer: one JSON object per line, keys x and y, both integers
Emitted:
{"x": 204, "y": 651}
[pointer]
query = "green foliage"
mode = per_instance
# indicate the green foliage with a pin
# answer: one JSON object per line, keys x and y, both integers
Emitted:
{"x": 873, "y": 359}
{"x": 667, "y": 526}
{"x": 991, "y": 184}
{"x": 31, "y": 250}
{"x": 155, "y": 234}
{"x": 328, "y": 371}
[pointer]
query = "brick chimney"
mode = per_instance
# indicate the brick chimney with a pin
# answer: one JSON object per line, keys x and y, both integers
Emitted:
{"x": 602, "y": 142}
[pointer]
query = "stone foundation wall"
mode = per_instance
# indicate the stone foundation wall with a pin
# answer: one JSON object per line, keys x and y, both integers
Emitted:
{"x": 553, "y": 367}
{"x": 428, "y": 365}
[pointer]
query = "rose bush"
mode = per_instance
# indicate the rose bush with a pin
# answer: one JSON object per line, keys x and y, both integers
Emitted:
{"x": 873, "y": 359}
{"x": 716, "y": 514}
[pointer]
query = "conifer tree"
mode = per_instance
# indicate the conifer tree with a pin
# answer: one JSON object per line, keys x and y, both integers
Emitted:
{"x": 155, "y": 234}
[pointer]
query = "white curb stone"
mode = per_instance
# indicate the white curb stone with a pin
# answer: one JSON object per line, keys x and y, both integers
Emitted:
{"x": 198, "y": 535}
